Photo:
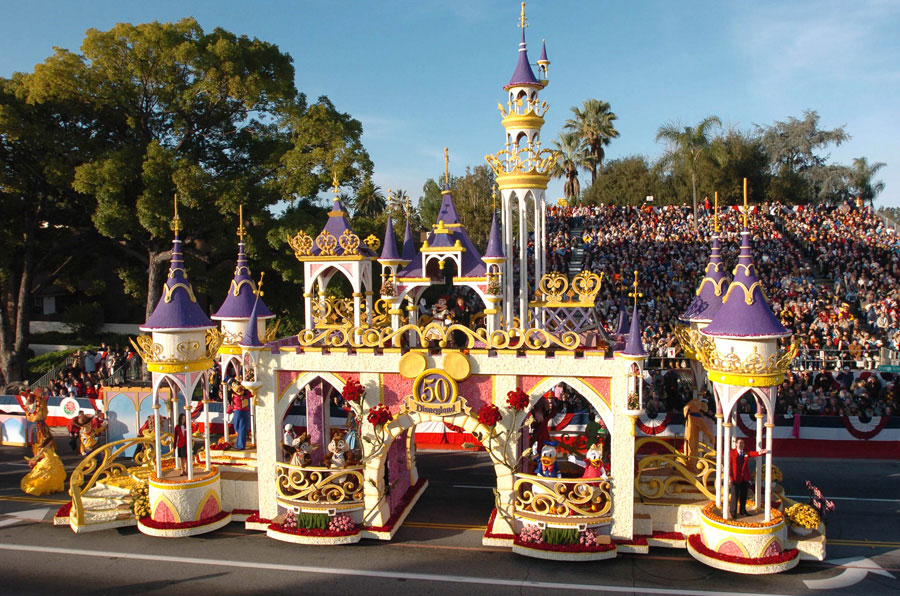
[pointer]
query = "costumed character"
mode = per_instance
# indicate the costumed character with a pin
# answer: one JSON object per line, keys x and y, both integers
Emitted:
{"x": 352, "y": 434}
{"x": 239, "y": 408}
{"x": 542, "y": 414}
{"x": 547, "y": 465}
{"x": 592, "y": 463}
{"x": 694, "y": 423}
{"x": 181, "y": 440}
{"x": 303, "y": 449}
{"x": 47, "y": 473}
{"x": 88, "y": 439}
{"x": 440, "y": 314}
{"x": 740, "y": 476}
{"x": 287, "y": 441}
{"x": 36, "y": 414}
{"x": 337, "y": 451}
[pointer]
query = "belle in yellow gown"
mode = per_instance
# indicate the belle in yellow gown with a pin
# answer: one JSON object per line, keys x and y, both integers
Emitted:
{"x": 47, "y": 473}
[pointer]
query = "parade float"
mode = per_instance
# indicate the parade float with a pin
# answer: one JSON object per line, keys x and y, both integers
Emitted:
{"x": 288, "y": 465}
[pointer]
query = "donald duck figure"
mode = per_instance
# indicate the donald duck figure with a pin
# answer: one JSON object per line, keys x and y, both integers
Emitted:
{"x": 546, "y": 464}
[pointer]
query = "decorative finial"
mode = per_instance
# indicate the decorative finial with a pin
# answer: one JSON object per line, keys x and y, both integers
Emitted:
{"x": 635, "y": 294}
{"x": 746, "y": 210}
{"x": 494, "y": 199}
{"x": 259, "y": 292}
{"x": 335, "y": 185}
{"x": 407, "y": 206}
{"x": 446, "y": 166}
{"x": 522, "y": 21}
{"x": 716, "y": 214}
{"x": 176, "y": 223}
{"x": 241, "y": 231}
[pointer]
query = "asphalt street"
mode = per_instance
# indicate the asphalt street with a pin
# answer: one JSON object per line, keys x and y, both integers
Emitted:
{"x": 438, "y": 550}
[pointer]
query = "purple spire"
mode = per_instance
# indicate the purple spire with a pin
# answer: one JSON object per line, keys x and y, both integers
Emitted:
{"x": 494, "y": 249}
{"x": 389, "y": 252}
{"x": 745, "y": 313}
{"x": 177, "y": 307}
{"x": 251, "y": 335}
{"x": 522, "y": 75}
{"x": 447, "y": 212}
{"x": 241, "y": 297}
{"x": 709, "y": 296}
{"x": 622, "y": 322}
{"x": 543, "y": 57}
{"x": 634, "y": 346}
{"x": 409, "y": 245}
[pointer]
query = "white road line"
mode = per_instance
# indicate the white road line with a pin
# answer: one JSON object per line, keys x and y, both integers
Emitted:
{"x": 429, "y": 577}
{"x": 861, "y": 499}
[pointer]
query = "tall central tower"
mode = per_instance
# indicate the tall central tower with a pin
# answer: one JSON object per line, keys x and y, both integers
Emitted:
{"x": 522, "y": 170}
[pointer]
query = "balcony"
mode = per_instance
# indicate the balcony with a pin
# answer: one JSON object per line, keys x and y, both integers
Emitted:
{"x": 562, "y": 502}
{"x": 319, "y": 490}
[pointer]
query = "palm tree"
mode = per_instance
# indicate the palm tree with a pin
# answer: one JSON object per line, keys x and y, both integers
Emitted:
{"x": 593, "y": 125}
{"x": 569, "y": 157}
{"x": 686, "y": 145}
{"x": 861, "y": 174}
{"x": 369, "y": 201}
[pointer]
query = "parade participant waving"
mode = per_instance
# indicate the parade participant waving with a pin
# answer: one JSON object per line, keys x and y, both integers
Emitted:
{"x": 239, "y": 408}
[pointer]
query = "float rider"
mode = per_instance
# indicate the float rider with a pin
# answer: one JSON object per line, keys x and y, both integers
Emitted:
{"x": 239, "y": 408}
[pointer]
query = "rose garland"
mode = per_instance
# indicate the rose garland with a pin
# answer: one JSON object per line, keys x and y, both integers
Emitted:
{"x": 696, "y": 543}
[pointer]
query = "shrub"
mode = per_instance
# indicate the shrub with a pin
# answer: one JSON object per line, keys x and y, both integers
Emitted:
{"x": 561, "y": 535}
{"x": 85, "y": 319}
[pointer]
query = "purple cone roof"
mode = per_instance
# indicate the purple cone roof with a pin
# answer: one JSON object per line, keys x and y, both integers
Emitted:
{"x": 737, "y": 318}
{"x": 251, "y": 335}
{"x": 336, "y": 225}
{"x": 543, "y": 57}
{"x": 622, "y": 321}
{"x": 409, "y": 245}
{"x": 522, "y": 75}
{"x": 389, "y": 251}
{"x": 634, "y": 346}
{"x": 472, "y": 265}
{"x": 181, "y": 311}
{"x": 706, "y": 303}
{"x": 494, "y": 249}
{"x": 240, "y": 306}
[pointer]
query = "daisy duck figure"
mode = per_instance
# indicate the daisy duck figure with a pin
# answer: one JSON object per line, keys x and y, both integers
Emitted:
{"x": 592, "y": 463}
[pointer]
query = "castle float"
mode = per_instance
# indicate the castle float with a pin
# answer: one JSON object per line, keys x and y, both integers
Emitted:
{"x": 291, "y": 464}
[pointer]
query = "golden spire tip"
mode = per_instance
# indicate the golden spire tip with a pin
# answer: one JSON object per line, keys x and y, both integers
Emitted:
{"x": 446, "y": 166}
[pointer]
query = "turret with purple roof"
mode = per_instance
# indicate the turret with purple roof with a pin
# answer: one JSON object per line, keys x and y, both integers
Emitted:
{"x": 708, "y": 300}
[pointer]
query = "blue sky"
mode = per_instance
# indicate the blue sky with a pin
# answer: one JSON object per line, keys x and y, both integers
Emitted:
{"x": 424, "y": 74}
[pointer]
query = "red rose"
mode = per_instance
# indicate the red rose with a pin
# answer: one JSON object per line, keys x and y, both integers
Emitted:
{"x": 379, "y": 415}
{"x": 489, "y": 415}
{"x": 518, "y": 399}
{"x": 353, "y": 391}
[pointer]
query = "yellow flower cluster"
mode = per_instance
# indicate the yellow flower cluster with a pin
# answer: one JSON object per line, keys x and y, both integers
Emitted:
{"x": 777, "y": 476}
{"x": 803, "y": 515}
{"x": 140, "y": 500}
{"x": 714, "y": 513}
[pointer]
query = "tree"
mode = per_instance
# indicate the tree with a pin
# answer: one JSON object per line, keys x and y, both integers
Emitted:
{"x": 44, "y": 218}
{"x": 593, "y": 126}
{"x": 472, "y": 198}
{"x": 733, "y": 156}
{"x": 369, "y": 200}
{"x": 212, "y": 117}
{"x": 686, "y": 145}
{"x": 861, "y": 179}
{"x": 793, "y": 147}
{"x": 570, "y": 156}
{"x": 626, "y": 181}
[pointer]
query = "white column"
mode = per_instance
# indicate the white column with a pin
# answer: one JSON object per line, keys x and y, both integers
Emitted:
{"x": 757, "y": 443}
{"x": 189, "y": 435}
{"x": 718, "y": 460}
{"x": 509, "y": 250}
{"x": 538, "y": 242}
{"x": 157, "y": 432}
{"x": 543, "y": 234}
{"x": 370, "y": 304}
{"x": 206, "y": 429}
{"x": 357, "y": 308}
{"x": 523, "y": 264}
{"x": 726, "y": 493}
{"x": 769, "y": 427}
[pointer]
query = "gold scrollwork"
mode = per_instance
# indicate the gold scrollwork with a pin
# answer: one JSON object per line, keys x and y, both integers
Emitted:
{"x": 672, "y": 473}
{"x": 530, "y": 160}
{"x": 349, "y": 243}
{"x": 301, "y": 243}
{"x": 169, "y": 291}
{"x": 326, "y": 243}
{"x": 319, "y": 486}
{"x": 561, "y": 497}
{"x": 704, "y": 347}
{"x": 372, "y": 242}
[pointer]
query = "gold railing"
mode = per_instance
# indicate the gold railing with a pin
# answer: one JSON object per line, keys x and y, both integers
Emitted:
{"x": 185, "y": 351}
{"x": 501, "y": 339}
{"x": 704, "y": 349}
{"x": 544, "y": 498}
{"x": 319, "y": 486}
{"x": 103, "y": 464}
{"x": 679, "y": 475}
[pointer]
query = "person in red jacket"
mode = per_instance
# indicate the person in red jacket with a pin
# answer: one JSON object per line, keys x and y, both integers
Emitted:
{"x": 740, "y": 476}
{"x": 181, "y": 444}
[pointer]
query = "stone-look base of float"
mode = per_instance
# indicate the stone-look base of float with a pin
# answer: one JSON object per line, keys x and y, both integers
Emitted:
{"x": 386, "y": 533}
{"x": 744, "y": 568}
{"x": 555, "y": 555}
{"x": 272, "y": 532}
{"x": 95, "y": 527}
{"x": 750, "y": 540}
{"x": 182, "y": 505}
{"x": 256, "y": 523}
{"x": 636, "y": 546}
{"x": 186, "y": 529}
{"x": 491, "y": 538}
{"x": 666, "y": 540}
{"x": 811, "y": 547}
{"x": 241, "y": 515}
